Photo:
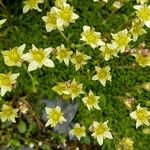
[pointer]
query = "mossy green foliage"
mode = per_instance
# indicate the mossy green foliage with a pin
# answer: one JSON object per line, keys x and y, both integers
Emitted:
{"x": 127, "y": 78}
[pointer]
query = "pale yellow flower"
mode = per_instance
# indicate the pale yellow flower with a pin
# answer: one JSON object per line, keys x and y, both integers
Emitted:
{"x": 109, "y": 51}
{"x": 12, "y": 57}
{"x": 51, "y": 20}
{"x": 125, "y": 144}
{"x": 100, "y": 131}
{"x": 91, "y": 101}
{"x": 103, "y": 74}
{"x": 55, "y": 116}
{"x": 146, "y": 86}
{"x": 141, "y": 115}
{"x": 78, "y": 131}
{"x": 32, "y": 4}
{"x": 66, "y": 15}
{"x": 63, "y": 54}
{"x": 72, "y": 89}
{"x": 121, "y": 40}
{"x": 61, "y": 88}
{"x": 6, "y": 82}
{"x": 143, "y": 13}
{"x": 137, "y": 29}
{"x": 38, "y": 57}
{"x": 141, "y": 59}
{"x": 8, "y": 113}
{"x": 2, "y": 21}
{"x": 91, "y": 37}
{"x": 142, "y": 1}
{"x": 79, "y": 59}
{"x": 75, "y": 89}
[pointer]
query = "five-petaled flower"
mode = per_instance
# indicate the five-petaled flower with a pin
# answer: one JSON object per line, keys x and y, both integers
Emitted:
{"x": 38, "y": 57}
{"x": 103, "y": 74}
{"x": 143, "y": 13}
{"x": 108, "y": 51}
{"x": 61, "y": 88}
{"x": 51, "y": 20}
{"x": 63, "y": 54}
{"x": 79, "y": 59}
{"x": 32, "y": 4}
{"x": 7, "y": 81}
{"x": 121, "y": 40}
{"x": 137, "y": 29}
{"x": 91, "y": 37}
{"x": 55, "y": 116}
{"x": 13, "y": 56}
{"x": 143, "y": 60}
{"x": 141, "y": 115}
{"x": 78, "y": 131}
{"x": 91, "y": 101}
{"x": 8, "y": 113}
{"x": 75, "y": 89}
{"x": 100, "y": 131}
{"x": 66, "y": 15}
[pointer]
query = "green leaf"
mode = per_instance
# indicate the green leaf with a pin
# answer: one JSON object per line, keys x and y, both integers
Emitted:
{"x": 46, "y": 147}
{"x": 22, "y": 127}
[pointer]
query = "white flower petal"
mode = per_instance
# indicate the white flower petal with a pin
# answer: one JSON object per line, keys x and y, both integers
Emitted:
{"x": 21, "y": 48}
{"x": 47, "y": 51}
{"x": 133, "y": 115}
{"x": 86, "y": 28}
{"x": 48, "y": 63}
{"x": 95, "y": 77}
{"x": 44, "y": 18}
{"x": 108, "y": 135}
{"x": 32, "y": 66}
{"x": 26, "y": 8}
{"x": 48, "y": 123}
{"x": 26, "y": 57}
{"x": 3, "y": 91}
{"x": 138, "y": 123}
{"x": 100, "y": 140}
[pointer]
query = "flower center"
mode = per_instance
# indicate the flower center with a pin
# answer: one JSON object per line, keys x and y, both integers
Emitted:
{"x": 141, "y": 114}
{"x": 78, "y": 131}
{"x": 74, "y": 89}
{"x": 8, "y": 112}
{"x": 108, "y": 51}
{"x": 32, "y": 3}
{"x": 142, "y": 59}
{"x": 38, "y": 55}
{"x": 55, "y": 116}
{"x": 13, "y": 55}
{"x": 102, "y": 74}
{"x": 79, "y": 59}
{"x": 66, "y": 14}
{"x": 63, "y": 54}
{"x": 91, "y": 100}
{"x": 100, "y": 130}
{"x": 52, "y": 19}
{"x": 91, "y": 37}
{"x": 122, "y": 40}
{"x": 5, "y": 80}
{"x": 144, "y": 14}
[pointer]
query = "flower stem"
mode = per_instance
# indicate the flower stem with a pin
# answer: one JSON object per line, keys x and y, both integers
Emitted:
{"x": 63, "y": 35}
{"x": 32, "y": 79}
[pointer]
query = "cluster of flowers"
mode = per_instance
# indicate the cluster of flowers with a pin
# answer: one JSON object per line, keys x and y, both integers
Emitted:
{"x": 60, "y": 16}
